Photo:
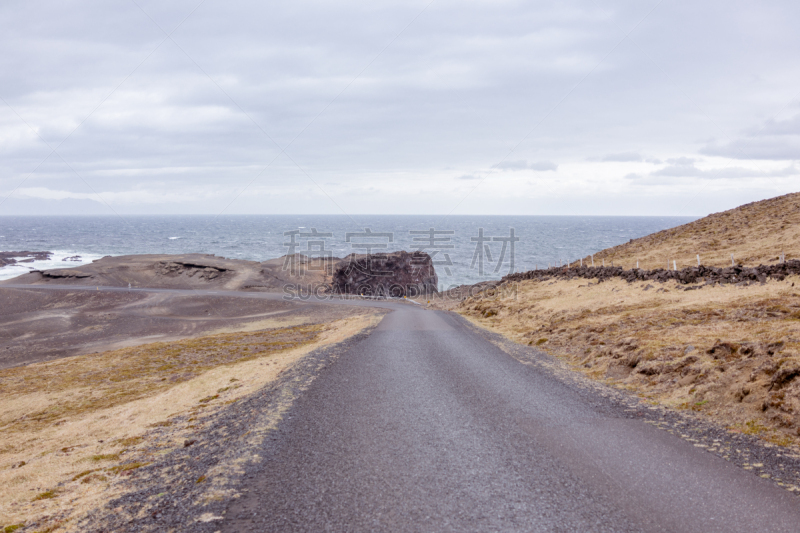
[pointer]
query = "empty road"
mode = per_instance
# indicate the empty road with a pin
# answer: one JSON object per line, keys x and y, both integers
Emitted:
{"x": 426, "y": 426}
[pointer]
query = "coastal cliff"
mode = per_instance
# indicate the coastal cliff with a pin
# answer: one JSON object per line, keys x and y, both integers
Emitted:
{"x": 394, "y": 274}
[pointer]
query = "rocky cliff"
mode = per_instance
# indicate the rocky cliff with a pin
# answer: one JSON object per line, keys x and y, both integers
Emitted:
{"x": 397, "y": 274}
{"x": 394, "y": 275}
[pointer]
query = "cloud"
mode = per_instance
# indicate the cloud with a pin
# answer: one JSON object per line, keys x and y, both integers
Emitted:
{"x": 683, "y": 161}
{"x": 774, "y": 140}
{"x": 543, "y": 166}
{"x": 522, "y": 164}
{"x": 678, "y": 167}
{"x": 776, "y": 149}
{"x": 117, "y": 197}
{"x": 623, "y": 157}
{"x": 297, "y": 95}
{"x": 50, "y": 194}
{"x": 685, "y": 168}
{"x": 511, "y": 165}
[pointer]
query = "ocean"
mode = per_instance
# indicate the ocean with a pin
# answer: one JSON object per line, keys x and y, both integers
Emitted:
{"x": 465, "y": 249}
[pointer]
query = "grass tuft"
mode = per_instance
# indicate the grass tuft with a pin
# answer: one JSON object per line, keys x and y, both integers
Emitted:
{"x": 752, "y": 427}
{"x": 94, "y": 477}
{"x": 84, "y": 473}
{"x": 104, "y": 457}
{"x": 130, "y": 441}
{"x": 46, "y": 495}
{"x": 126, "y": 467}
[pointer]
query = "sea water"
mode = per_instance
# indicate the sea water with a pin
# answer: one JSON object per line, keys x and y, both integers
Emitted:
{"x": 465, "y": 249}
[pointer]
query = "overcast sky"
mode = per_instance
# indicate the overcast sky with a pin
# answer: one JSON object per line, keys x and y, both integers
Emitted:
{"x": 468, "y": 107}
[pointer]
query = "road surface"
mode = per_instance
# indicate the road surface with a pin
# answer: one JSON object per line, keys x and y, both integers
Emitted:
{"x": 426, "y": 426}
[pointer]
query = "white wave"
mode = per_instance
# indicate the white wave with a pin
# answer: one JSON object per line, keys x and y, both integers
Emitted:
{"x": 59, "y": 259}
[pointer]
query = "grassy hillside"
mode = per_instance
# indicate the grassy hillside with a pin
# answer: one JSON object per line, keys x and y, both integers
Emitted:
{"x": 730, "y": 351}
{"x": 755, "y": 233}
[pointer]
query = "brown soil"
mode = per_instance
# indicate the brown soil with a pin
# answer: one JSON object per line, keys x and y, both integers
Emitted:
{"x": 40, "y": 325}
{"x": 188, "y": 271}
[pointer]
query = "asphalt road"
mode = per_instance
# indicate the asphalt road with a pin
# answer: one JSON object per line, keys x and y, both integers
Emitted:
{"x": 426, "y": 426}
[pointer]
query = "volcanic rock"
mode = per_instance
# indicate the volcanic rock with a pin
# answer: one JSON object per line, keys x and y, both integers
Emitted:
{"x": 686, "y": 276}
{"x": 396, "y": 274}
{"x": 10, "y": 258}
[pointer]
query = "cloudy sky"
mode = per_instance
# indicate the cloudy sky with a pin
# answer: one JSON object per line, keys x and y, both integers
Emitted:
{"x": 472, "y": 107}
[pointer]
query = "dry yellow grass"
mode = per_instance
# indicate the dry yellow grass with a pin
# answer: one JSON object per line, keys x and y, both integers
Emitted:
{"x": 43, "y": 394}
{"x": 69, "y": 426}
{"x": 755, "y": 233}
{"x": 731, "y": 352}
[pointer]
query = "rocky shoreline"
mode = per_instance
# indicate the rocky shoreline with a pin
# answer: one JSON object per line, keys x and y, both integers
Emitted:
{"x": 12, "y": 258}
{"x": 382, "y": 275}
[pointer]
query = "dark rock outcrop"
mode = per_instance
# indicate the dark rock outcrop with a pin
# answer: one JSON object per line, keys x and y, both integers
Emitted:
{"x": 10, "y": 258}
{"x": 178, "y": 268}
{"x": 64, "y": 273}
{"x": 701, "y": 274}
{"x": 386, "y": 275}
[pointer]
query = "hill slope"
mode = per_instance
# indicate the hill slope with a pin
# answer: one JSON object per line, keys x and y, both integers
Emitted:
{"x": 754, "y": 233}
{"x": 728, "y": 350}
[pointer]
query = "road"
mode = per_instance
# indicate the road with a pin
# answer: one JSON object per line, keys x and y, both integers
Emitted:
{"x": 426, "y": 426}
